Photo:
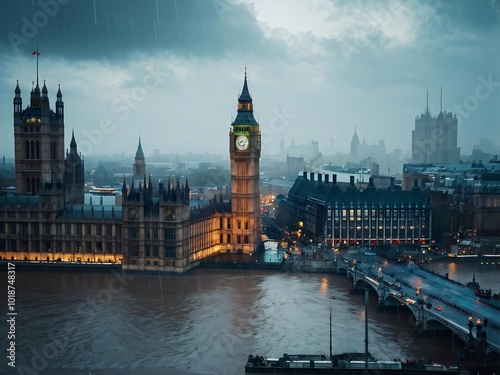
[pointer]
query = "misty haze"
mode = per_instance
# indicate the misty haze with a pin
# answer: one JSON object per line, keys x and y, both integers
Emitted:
{"x": 200, "y": 186}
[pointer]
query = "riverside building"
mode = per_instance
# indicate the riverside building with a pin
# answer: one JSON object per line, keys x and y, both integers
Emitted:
{"x": 48, "y": 219}
{"x": 344, "y": 215}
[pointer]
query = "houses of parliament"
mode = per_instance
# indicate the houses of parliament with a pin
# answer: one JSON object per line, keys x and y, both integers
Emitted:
{"x": 47, "y": 218}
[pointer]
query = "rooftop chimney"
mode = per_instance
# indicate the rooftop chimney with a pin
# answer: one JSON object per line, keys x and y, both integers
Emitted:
{"x": 304, "y": 175}
{"x": 415, "y": 185}
{"x": 327, "y": 178}
{"x": 311, "y": 176}
{"x": 320, "y": 177}
{"x": 351, "y": 180}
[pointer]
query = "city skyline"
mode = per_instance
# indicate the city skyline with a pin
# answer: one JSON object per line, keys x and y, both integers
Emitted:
{"x": 322, "y": 66}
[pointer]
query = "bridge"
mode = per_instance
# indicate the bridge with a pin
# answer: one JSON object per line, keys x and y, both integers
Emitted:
{"x": 435, "y": 301}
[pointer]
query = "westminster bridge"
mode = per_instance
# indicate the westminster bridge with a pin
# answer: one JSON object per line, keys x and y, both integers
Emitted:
{"x": 435, "y": 301}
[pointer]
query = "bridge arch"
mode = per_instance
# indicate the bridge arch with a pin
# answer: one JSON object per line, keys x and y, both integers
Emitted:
{"x": 392, "y": 301}
{"x": 435, "y": 325}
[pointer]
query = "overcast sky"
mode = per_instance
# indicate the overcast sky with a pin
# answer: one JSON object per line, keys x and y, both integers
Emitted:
{"x": 170, "y": 71}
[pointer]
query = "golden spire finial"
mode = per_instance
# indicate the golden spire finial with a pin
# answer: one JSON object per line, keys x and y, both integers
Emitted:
{"x": 245, "y": 71}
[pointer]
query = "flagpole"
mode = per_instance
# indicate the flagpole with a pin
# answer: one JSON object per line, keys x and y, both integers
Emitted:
{"x": 37, "y": 64}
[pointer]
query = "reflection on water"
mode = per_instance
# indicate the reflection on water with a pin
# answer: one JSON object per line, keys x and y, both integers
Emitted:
{"x": 273, "y": 254}
{"x": 205, "y": 322}
{"x": 487, "y": 274}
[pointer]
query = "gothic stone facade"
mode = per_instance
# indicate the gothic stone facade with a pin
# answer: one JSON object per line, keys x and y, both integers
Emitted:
{"x": 46, "y": 219}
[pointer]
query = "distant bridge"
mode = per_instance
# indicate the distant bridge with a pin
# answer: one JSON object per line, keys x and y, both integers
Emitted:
{"x": 435, "y": 301}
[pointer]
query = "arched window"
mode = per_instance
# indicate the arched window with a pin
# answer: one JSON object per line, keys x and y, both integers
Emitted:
{"x": 28, "y": 183}
{"x": 26, "y": 149}
{"x": 37, "y": 149}
{"x": 32, "y": 150}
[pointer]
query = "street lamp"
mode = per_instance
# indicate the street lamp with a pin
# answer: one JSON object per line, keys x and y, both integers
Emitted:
{"x": 470, "y": 325}
{"x": 479, "y": 328}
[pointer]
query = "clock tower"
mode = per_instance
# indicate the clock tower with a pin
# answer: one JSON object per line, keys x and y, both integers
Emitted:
{"x": 244, "y": 151}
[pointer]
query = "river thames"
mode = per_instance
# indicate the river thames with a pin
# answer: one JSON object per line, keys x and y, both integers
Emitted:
{"x": 205, "y": 322}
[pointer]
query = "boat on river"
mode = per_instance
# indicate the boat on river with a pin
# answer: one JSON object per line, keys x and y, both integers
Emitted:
{"x": 473, "y": 284}
{"x": 343, "y": 364}
{"x": 483, "y": 293}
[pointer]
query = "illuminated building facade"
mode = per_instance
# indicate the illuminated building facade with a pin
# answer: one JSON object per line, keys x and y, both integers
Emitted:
{"x": 48, "y": 219}
{"x": 336, "y": 215}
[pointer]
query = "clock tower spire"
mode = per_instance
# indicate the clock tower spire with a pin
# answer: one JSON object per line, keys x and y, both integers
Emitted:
{"x": 244, "y": 150}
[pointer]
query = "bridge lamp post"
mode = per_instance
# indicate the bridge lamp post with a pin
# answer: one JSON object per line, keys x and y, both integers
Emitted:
{"x": 419, "y": 296}
{"x": 481, "y": 335}
{"x": 470, "y": 325}
{"x": 479, "y": 328}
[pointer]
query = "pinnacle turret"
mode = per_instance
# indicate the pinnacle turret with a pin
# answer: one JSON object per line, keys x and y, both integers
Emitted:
{"x": 245, "y": 94}
{"x": 139, "y": 153}
{"x": 124, "y": 188}
{"x": 245, "y": 107}
{"x": 18, "y": 101}
{"x": 73, "y": 152}
{"x": 44, "y": 89}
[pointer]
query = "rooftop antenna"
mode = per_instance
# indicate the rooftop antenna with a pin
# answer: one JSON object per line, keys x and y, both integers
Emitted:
{"x": 37, "y": 54}
{"x": 441, "y": 106}
{"x": 427, "y": 105}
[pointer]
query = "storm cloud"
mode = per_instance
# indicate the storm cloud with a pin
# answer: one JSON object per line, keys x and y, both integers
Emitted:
{"x": 170, "y": 71}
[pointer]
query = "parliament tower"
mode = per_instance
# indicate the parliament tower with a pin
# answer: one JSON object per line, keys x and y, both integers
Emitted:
{"x": 244, "y": 150}
{"x": 40, "y": 163}
{"x": 39, "y": 140}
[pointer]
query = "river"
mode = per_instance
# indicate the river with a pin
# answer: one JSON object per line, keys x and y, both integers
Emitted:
{"x": 204, "y": 322}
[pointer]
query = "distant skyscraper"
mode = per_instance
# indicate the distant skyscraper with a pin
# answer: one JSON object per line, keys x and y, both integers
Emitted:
{"x": 434, "y": 139}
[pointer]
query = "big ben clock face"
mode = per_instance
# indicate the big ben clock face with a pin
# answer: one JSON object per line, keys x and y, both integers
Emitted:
{"x": 242, "y": 142}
